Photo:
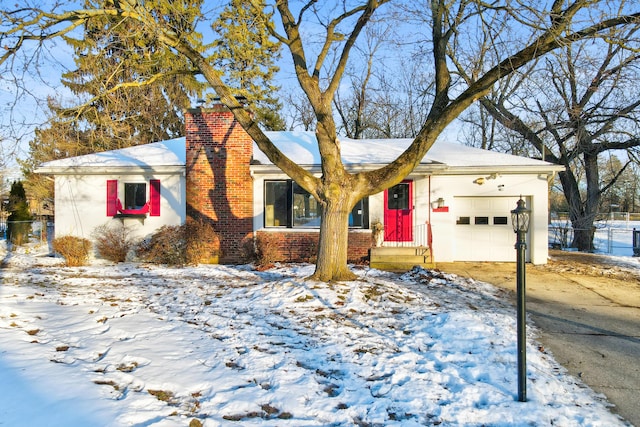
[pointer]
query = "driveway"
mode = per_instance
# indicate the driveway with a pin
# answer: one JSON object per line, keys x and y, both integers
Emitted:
{"x": 587, "y": 308}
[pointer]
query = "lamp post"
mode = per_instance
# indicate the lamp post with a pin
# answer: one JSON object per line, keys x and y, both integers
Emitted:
{"x": 520, "y": 222}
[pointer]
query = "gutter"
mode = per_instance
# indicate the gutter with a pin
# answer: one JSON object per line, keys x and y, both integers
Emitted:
{"x": 113, "y": 170}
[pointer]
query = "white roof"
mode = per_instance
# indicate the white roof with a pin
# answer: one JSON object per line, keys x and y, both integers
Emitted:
{"x": 301, "y": 147}
{"x": 170, "y": 153}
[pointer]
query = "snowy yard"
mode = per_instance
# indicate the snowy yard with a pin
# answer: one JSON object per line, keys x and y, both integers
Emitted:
{"x": 612, "y": 236}
{"x": 141, "y": 345}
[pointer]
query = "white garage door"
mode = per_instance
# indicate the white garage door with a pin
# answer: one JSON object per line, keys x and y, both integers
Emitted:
{"x": 483, "y": 229}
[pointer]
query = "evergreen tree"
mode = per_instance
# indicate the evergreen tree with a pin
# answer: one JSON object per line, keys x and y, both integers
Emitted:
{"x": 247, "y": 53}
{"x": 19, "y": 220}
{"x": 132, "y": 90}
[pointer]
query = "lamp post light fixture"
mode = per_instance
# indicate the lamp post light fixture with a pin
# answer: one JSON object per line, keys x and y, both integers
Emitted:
{"x": 520, "y": 222}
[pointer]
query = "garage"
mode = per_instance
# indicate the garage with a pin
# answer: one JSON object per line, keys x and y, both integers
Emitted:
{"x": 483, "y": 230}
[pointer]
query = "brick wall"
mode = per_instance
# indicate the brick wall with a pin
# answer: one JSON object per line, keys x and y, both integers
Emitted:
{"x": 219, "y": 184}
{"x": 294, "y": 246}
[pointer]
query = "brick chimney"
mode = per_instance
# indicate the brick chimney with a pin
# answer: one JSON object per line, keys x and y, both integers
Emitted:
{"x": 218, "y": 179}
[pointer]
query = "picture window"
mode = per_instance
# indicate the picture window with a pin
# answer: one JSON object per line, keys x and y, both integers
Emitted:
{"x": 288, "y": 205}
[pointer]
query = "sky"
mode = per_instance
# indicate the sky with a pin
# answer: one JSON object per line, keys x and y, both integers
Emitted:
{"x": 19, "y": 116}
{"x": 144, "y": 345}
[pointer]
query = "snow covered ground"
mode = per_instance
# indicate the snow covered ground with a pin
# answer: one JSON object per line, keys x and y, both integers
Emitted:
{"x": 612, "y": 237}
{"x": 142, "y": 345}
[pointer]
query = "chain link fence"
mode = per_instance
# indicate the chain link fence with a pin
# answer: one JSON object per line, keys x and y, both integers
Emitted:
{"x": 39, "y": 230}
{"x": 615, "y": 233}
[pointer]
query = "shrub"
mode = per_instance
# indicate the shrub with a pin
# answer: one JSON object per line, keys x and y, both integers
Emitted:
{"x": 248, "y": 249}
{"x": 202, "y": 244}
{"x": 113, "y": 242}
{"x": 267, "y": 249}
{"x": 165, "y": 246}
{"x": 74, "y": 250}
{"x": 192, "y": 243}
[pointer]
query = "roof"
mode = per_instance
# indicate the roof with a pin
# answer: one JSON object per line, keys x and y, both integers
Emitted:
{"x": 164, "y": 155}
{"x": 302, "y": 147}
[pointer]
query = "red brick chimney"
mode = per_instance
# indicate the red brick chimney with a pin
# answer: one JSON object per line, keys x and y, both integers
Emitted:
{"x": 219, "y": 184}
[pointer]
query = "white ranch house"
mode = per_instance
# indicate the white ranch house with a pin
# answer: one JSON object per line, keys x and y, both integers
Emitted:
{"x": 457, "y": 201}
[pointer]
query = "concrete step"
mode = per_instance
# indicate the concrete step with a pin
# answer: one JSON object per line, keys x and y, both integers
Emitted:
{"x": 418, "y": 259}
{"x": 405, "y": 250}
{"x": 399, "y": 267}
{"x": 400, "y": 258}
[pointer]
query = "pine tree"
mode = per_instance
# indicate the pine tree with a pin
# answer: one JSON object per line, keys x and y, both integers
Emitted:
{"x": 133, "y": 91}
{"x": 247, "y": 53}
{"x": 19, "y": 220}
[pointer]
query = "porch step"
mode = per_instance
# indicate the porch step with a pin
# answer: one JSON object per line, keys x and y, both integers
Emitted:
{"x": 400, "y": 258}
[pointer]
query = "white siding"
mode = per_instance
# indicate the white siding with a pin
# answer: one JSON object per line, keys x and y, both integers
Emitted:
{"x": 80, "y": 203}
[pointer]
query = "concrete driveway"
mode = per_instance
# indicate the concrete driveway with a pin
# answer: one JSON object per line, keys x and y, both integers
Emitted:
{"x": 588, "y": 312}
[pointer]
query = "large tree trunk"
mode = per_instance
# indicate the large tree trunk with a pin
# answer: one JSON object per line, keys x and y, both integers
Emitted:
{"x": 583, "y": 232}
{"x": 334, "y": 241}
{"x": 583, "y": 226}
{"x": 583, "y": 213}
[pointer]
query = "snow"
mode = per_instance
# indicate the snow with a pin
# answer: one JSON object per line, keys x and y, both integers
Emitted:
{"x": 165, "y": 153}
{"x": 144, "y": 345}
{"x": 611, "y": 237}
{"x": 301, "y": 146}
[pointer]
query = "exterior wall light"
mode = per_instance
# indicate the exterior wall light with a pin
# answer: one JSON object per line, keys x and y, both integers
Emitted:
{"x": 439, "y": 203}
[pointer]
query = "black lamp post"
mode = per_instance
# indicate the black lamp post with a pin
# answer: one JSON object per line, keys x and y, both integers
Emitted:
{"x": 520, "y": 222}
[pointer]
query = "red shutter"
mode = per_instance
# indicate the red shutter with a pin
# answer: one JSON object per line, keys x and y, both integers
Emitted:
{"x": 154, "y": 197}
{"x": 112, "y": 197}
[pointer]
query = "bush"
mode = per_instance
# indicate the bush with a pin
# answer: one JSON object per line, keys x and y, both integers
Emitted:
{"x": 18, "y": 231}
{"x": 165, "y": 246}
{"x": 75, "y": 250}
{"x": 202, "y": 243}
{"x": 248, "y": 249}
{"x": 192, "y": 243}
{"x": 113, "y": 242}
{"x": 267, "y": 249}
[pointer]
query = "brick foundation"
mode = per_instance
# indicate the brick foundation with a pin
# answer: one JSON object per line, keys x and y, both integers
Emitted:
{"x": 296, "y": 246}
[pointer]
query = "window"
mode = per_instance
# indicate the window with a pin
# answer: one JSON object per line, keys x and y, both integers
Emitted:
{"x": 306, "y": 210}
{"x": 398, "y": 197}
{"x": 482, "y": 220}
{"x": 135, "y": 195}
{"x": 133, "y": 198}
{"x": 275, "y": 204}
{"x": 463, "y": 220}
{"x": 286, "y": 204}
{"x": 359, "y": 216}
{"x": 500, "y": 220}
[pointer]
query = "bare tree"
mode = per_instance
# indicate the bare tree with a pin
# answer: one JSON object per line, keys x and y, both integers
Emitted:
{"x": 622, "y": 195}
{"x": 573, "y": 108}
{"x": 319, "y": 61}
{"x": 300, "y": 113}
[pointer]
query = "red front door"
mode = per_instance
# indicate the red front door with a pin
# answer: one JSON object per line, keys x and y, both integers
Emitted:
{"x": 398, "y": 213}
